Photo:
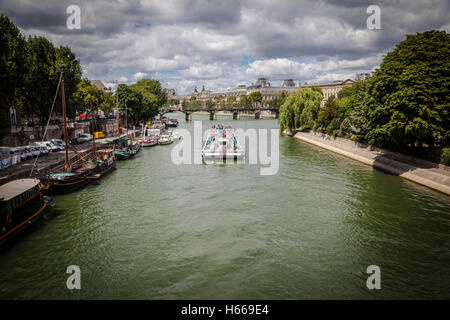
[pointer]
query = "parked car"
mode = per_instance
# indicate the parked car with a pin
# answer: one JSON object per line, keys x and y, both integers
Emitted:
{"x": 23, "y": 156}
{"x": 54, "y": 147}
{"x": 84, "y": 137}
{"x": 44, "y": 151}
{"x": 58, "y": 143}
{"x": 34, "y": 150}
{"x": 24, "y": 151}
{"x": 38, "y": 144}
{"x": 5, "y": 151}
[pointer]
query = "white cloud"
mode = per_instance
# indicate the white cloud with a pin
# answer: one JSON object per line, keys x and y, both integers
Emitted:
{"x": 190, "y": 43}
{"x": 139, "y": 75}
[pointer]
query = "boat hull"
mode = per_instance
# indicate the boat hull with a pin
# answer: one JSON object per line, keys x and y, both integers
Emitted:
{"x": 218, "y": 155}
{"x": 121, "y": 154}
{"x": 148, "y": 144}
{"x": 102, "y": 172}
{"x": 52, "y": 186}
{"x": 30, "y": 215}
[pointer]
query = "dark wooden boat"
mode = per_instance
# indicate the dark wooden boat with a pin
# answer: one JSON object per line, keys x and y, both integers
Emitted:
{"x": 75, "y": 172}
{"x": 106, "y": 162}
{"x": 21, "y": 204}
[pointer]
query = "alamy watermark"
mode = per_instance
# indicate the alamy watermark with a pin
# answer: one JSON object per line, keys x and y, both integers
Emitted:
{"x": 188, "y": 150}
{"x": 74, "y": 19}
{"x": 373, "y": 22}
{"x": 374, "y": 280}
{"x": 74, "y": 280}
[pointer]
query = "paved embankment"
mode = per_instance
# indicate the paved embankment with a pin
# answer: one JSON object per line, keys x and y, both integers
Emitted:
{"x": 43, "y": 163}
{"x": 23, "y": 169}
{"x": 427, "y": 173}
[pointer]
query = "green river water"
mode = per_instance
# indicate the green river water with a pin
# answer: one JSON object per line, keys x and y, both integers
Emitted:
{"x": 155, "y": 230}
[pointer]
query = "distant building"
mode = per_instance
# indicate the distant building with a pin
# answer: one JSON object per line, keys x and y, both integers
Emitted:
{"x": 171, "y": 93}
{"x": 99, "y": 84}
{"x": 288, "y": 83}
{"x": 264, "y": 82}
{"x": 362, "y": 76}
{"x": 269, "y": 92}
{"x": 330, "y": 88}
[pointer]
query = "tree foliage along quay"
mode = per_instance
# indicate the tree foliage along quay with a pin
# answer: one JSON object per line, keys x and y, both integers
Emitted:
{"x": 300, "y": 109}
{"x": 404, "y": 106}
{"x": 141, "y": 100}
{"x": 86, "y": 91}
{"x": 29, "y": 74}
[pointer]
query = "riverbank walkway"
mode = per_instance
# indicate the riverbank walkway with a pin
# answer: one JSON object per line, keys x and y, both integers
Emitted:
{"x": 430, "y": 174}
{"x": 45, "y": 162}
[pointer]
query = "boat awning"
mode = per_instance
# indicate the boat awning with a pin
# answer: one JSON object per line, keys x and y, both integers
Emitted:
{"x": 14, "y": 188}
{"x": 104, "y": 150}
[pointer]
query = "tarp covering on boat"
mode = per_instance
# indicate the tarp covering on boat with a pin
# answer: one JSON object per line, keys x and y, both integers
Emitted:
{"x": 61, "y": 174}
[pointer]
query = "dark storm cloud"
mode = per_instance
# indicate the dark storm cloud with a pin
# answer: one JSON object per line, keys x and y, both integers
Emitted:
{"x": 198, "y": 39}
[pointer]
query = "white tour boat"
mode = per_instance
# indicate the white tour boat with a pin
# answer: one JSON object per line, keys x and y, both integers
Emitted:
{"x": 221, "y": 143}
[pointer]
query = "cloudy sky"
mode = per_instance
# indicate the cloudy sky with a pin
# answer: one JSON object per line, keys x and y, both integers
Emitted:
{"x": 221, "y": 44}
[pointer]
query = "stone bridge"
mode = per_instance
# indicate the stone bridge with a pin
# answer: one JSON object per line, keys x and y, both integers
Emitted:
{"x": 258, "y": 112}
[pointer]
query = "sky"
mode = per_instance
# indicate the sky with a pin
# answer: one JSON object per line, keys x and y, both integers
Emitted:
{"x": 221, "y": 44}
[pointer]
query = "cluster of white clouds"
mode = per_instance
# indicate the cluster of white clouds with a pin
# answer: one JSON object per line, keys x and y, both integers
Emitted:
{"x": 224, "y": 43}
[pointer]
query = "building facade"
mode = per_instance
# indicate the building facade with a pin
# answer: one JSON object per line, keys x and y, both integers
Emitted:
{"x": 268, "y": 92}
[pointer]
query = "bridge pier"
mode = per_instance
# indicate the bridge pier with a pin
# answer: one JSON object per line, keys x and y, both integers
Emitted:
{"x": 257, "y": 115}
{"x": 235, "y": 115}
{"x": 212, "y": 116}
{"x": 188, "y": 116}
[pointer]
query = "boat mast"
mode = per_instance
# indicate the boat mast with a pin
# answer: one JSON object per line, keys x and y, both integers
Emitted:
{"x": 117, "y": 102}
{"x": 92, "y": 123}
{"x": 126, "y": 118}
{"x": 64, "y": 117}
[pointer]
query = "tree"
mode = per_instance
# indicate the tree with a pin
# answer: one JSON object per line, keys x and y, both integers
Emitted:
{"x": 209, "y": 104}
{"x": 130, "y": 100}
{"x": 331, "y": 115}
{"x": 41, "y": 80}
{"x": 407, "y": 100}
{"x": 13, "y": 68}
{"x": 154, "y": 87}
{"x": 100, "y": 100}
{"x": 231, "y": 101}
{"x": 244, "y": 102}
{"x": 153, "y": 97}
{"x": 72, "y": 76}
{"x": 278, "y": 101}
{"x": 255, "y": 97}
{"x": 300, "y": 109}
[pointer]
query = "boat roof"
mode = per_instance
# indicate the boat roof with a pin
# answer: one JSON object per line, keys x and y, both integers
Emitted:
{"x": 14, "y": 188}
{"x": 105, "y": 150}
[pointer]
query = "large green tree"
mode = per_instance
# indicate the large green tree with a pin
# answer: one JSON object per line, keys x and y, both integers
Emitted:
{"x": 42, "y": 79}
{"x": 130, "y": 101}
{"x": 300, "y": 109}
{"x": 278, "y": 101}
{"x": 13, "y": 69}
{"x": 255, "y": 98}
{"x": 407, "y": 101}
{"x": 72, "y": 76}
{"x": 85, "y": 92}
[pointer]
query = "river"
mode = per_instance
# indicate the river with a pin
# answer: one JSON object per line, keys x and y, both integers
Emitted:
{"x": 156, "y": 230}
